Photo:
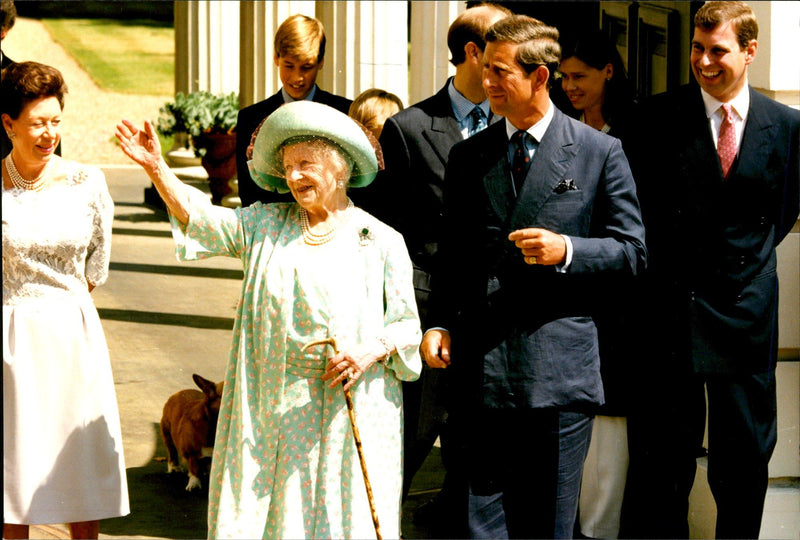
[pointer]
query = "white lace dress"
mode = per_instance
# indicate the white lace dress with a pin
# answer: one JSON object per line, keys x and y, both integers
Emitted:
{"x": 62, "y": 445}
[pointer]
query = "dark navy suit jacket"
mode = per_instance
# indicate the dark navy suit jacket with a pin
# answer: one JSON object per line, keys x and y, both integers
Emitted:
{"x": 712, "y": 285}
{"x": 249, "y": 119}
{"x": 523, "y": 336}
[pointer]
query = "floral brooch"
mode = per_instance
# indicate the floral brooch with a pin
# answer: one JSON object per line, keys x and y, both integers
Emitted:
{"x": 365, "y": 236}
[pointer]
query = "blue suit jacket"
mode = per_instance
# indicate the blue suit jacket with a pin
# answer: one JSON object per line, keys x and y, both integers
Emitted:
{"x": 248, "y": 120}
{"x": 522, "y": 335}
{"x": 712, "y": 286}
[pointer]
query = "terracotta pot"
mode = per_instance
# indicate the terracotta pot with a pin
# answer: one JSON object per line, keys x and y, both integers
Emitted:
{"x": 219, "y": 161}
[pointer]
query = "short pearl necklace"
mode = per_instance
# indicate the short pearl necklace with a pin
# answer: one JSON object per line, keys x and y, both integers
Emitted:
{"x": 318, "y": 239}
{"x": 21, "y": 183}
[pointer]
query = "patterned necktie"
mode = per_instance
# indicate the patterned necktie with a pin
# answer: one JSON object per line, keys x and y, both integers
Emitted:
{"x": 477, "y": 121}
{"x": 520, "y": 161}
{"x": 726, "y": 145}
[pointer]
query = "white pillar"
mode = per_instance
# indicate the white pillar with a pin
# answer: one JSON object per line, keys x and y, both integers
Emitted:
{"x": 777, "y": 64}
{"x": 206, "y": 46}
{"x": 258, "y": 22}
{"x": 367, "y": 47}
{"x": 430, "y": 59}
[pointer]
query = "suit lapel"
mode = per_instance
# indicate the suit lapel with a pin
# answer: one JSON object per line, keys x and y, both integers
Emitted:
{"x": 755, "y": 140}
{"x": 701, "y": 174}
{"x": 442, "y": 135}
{"x": 497, "y": 181}
{"x": 443, "y": 131}
{"x": 549, "y": 167}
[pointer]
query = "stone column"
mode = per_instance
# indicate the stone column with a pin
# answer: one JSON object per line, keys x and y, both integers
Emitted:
{"x": 775, "y": 69}
{"x": 206, "y": 46}
{"x": 430, "y": 60}
{"x": 206, "y": 58}
{"x": 775, "y": 74}
{"x": 367, "y": 47}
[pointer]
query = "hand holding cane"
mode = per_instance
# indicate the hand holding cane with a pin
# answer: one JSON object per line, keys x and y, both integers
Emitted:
{"x": 356, "y": 435}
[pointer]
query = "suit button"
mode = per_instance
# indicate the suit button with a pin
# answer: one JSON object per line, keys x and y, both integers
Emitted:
{"x": 691, "y": 296}
{"x": 742, "y": 260}
{"x": 762, "y": 220}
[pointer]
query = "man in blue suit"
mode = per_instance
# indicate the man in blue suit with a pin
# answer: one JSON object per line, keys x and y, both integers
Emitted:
{"x": 718, "y": 174}
{"x": 538, "y": 208}
{"x": 407, "y": 195}
{"x": 299, "y": 47}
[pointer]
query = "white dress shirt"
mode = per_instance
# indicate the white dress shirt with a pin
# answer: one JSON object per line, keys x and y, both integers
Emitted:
{"x": 715, "y": 114}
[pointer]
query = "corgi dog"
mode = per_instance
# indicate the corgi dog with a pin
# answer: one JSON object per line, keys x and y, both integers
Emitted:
{"x": 189, "y": 425}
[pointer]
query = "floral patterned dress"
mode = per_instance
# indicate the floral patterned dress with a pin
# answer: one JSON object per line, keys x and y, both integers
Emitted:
{"x": 285, "y": 463}
{"x": 62, "y": 445}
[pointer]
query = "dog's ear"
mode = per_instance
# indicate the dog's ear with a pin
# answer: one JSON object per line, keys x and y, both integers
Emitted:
{"x": 209, "y": 388}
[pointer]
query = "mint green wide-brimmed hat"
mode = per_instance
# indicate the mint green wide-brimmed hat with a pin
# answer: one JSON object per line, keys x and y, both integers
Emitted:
{"x": 305, "y": 120}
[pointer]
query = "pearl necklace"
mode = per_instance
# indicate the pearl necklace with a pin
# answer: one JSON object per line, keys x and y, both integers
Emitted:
{"x": 313, "y": 239}
{"x": 21, "y": 183}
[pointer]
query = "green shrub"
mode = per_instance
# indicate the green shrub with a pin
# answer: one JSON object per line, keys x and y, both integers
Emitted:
{"x": 197, "y": 113}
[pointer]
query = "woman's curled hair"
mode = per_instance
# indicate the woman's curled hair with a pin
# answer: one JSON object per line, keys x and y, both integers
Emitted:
{"x": 24, "y": 82}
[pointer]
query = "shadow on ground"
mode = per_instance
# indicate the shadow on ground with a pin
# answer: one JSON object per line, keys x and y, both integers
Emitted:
{"x": 162, "y": 508}
{"x": 160, "y": 505}
{"x": 426, "y": 484}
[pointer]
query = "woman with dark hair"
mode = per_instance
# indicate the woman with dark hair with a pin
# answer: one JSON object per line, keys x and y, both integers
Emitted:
{"x": 594, "y": 80}
{"x": 62, "y": 445}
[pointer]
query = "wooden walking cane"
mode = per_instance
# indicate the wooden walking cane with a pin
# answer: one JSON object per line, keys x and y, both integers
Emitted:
{"x": 356, "y": 435}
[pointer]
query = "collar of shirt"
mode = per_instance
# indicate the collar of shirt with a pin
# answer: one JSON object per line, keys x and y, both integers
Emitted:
{"x": 288, "y": 99}
{"x": 741, "y": 106}
{"x": 462, "y": 107}
{"x": 605, "y": 129}
{"x": 536, "y": 131}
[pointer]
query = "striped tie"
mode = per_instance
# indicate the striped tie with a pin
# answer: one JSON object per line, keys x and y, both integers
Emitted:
{"x": 478, "y": 121}
{"x": 521, "y": 160}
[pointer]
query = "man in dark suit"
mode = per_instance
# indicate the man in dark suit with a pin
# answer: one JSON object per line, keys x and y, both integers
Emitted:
{"x": 407, "y": 194}
{"x": 299, "y": 54}
{"x": 718, "y": 180}
{"x": 538, "y": 209}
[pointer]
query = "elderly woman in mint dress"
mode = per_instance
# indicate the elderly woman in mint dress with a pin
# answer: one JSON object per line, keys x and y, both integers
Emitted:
{"x": 285, "y": 463}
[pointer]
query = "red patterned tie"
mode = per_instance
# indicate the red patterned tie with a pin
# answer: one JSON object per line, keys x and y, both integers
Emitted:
{"x": 726, "y": 146}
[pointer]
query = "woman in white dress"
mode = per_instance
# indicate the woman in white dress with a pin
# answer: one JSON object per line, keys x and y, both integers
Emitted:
{"x": 285, "y": 463}
{"x": 62, "y": 444}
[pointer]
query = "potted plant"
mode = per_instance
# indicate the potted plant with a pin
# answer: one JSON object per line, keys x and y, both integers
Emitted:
{"x": 209, "y": 120}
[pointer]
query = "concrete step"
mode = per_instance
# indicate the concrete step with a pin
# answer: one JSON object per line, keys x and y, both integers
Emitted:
{"x": 782, "y": 509}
